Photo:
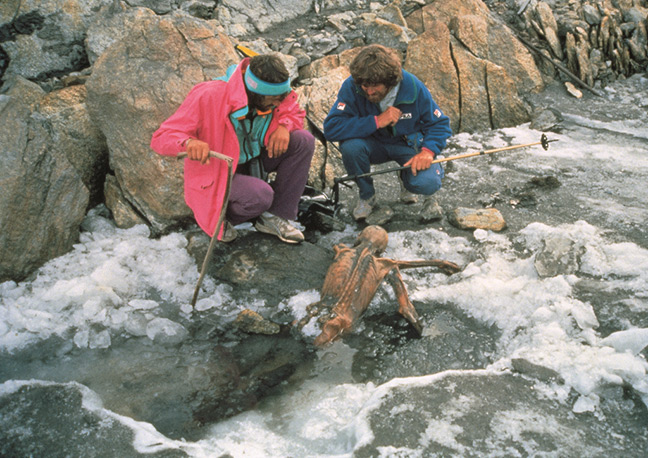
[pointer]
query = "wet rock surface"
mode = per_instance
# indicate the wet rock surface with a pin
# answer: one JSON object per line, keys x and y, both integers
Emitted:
{"x": 489, "y": 400}
{"x": 390, "y": 348}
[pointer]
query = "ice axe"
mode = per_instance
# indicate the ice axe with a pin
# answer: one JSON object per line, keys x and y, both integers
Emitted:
{"x": 221, "y": 218}
{"x": 342, "y": 180}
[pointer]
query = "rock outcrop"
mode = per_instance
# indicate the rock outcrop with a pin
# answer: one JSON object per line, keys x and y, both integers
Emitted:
{"x": 52, "y": 156}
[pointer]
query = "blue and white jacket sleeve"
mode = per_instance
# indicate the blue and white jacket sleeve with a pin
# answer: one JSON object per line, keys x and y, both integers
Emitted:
{"x": 435, "y": 126}
{"x": 344, "y": 120}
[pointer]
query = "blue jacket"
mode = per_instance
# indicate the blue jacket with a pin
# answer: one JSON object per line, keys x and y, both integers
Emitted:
{"x": 422, "y": 122}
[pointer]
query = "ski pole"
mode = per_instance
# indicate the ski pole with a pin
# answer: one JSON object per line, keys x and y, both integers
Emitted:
{"x": 336, "y": 181}
{"x": 221, "y": 218}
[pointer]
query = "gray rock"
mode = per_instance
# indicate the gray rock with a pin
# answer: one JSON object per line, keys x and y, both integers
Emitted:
{"x": 381, "y": 215}
{"x": 237, "y": 16}
{"x": 591, "y": 14}
{"x": 50, "y": 37}
{"x": 545, "y": 119}
{"x": 77, "y": 136}
{"x": 112, "y": 23}
{"x": 122, "y": 211}
{"x": 636, "y": 15}
{"x": 258, "y": 262}
{"x": 43, "y": 199}
{"x": 544, "y": 374}
{"x": 388, "y": 34}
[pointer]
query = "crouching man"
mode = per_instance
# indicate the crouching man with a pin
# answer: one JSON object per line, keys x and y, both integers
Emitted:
{"x": 250, "y": 114}
{"x": 384, "y": 113}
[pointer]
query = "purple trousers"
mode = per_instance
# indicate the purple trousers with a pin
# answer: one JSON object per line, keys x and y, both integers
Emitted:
{"x": 250, "y": 196}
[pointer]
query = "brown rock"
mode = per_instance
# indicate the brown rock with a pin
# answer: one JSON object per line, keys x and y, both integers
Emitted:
{"x": 549, "y": 28}
{"x": 504, "y": 49}
{"x": 78, "y": 137}
{"x": 253, "y": 323}
{"x": 123, "y": 213}
{"x": 436, "y": 69}
{"x": 484, "y": 218}
{"x": 474, "y": 101}
{"x": 573, "y": 90}
{"x": 506, "y": 107}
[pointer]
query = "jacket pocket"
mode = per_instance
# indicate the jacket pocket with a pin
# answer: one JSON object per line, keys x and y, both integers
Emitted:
{"x": 201, "y": 183}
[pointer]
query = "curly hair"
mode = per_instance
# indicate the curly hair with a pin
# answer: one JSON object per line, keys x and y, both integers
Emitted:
{"x": 376, "y": 64}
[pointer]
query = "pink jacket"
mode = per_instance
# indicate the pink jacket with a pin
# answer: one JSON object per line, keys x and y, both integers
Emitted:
{"x": 205, "y": 115}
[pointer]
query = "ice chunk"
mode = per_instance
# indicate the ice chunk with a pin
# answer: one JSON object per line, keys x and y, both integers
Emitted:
{"x": 205, "y": 304}
{"x": 633, "y": 340}
{"x": 81, "y": 338}
{"x": 586, "y": 403}
{"x": 143, "y": 304}
{"x": 99, "y": 339}
{"x": 166, "y": 332}
{"x": 136, "y": 324}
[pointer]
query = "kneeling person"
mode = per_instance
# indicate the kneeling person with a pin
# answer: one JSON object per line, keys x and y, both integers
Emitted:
{"x": 384, "y": 113}
{"x": 250, "y": 114}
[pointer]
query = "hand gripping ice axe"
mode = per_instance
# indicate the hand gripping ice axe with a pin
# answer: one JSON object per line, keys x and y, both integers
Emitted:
{"x": 342, "y": 180}
{"x": 221, "y": 218}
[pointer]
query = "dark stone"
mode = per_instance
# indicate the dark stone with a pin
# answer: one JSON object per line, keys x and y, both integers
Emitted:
{"x": 261, "y": 266}
{"x": 82, "y": 431}
{"x": 544, "y": 374}
{"x": 548, "y": 182}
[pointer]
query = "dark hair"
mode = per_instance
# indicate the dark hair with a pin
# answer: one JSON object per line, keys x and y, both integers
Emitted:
{"x": 376, "y": 64}
{"x": 269, "y": 67}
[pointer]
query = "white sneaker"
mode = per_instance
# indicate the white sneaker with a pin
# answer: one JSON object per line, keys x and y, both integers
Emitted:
{"x": 405, "y": 196}
{"x": 229, "y": 234}
{"x": 280, "y": 227}
{"x": 364, "y": 208}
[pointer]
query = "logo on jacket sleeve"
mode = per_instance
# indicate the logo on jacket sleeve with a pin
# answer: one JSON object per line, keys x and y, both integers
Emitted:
{"x": 437, "y": 113}
{"x": 341, "y": 106}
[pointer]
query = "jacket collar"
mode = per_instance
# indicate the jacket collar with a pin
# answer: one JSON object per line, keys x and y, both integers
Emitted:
{"x": 237, "y": 97}
{"x": 408, "y": 90}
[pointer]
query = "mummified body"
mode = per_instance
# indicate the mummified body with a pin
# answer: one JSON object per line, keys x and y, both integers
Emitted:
{"x": 353, "y": 279}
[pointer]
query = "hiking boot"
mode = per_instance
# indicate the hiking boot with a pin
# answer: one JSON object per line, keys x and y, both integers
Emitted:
{"x": 363, "y": 208}
{"x": 405, "y": 196}
{"x": 229, "y": 234}
{"x": 431, "y": 210}
{"x": 280, "y": 227}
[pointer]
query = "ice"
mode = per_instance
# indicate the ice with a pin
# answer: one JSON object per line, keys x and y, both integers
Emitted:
{"x": 205, "y": 304}
{"x": 143, "y": 304}
{"x": 632, "y": 340}
{"x": 99, "y": 339}
{"x": 587, "y": 403}
{"x": 88, "y": 286}
{"x": 298, "y": 303}
{"x": 165, "y": 331}
{"x": 540, "y": 318}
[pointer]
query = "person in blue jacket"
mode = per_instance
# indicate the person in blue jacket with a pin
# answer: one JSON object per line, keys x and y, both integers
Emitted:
{"x": 383, "y": 113}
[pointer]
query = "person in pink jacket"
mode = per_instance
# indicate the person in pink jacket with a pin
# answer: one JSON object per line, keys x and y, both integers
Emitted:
{"x": 249, "y": 114}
